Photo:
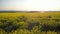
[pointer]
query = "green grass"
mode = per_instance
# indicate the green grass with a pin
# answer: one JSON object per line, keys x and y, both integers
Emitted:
{"x": 24, "y": 19}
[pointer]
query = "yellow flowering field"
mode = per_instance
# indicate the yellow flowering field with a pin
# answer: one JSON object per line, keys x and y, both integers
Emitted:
{"x": 30, "y": 23}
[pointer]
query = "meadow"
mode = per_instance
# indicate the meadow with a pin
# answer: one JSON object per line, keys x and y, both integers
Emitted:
{"x": 30, "y": 23}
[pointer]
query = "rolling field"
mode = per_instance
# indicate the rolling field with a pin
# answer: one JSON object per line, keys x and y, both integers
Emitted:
{"x": 30, "y": 23}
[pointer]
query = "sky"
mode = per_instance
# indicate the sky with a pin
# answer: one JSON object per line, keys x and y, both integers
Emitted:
{"x": 30, "y": 5}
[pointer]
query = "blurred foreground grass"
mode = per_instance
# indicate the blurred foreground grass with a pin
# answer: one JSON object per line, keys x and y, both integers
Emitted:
{"x": 30, "y": 23}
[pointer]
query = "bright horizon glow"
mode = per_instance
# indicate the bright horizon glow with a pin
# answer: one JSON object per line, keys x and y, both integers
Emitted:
{"x": 30, "y": 5}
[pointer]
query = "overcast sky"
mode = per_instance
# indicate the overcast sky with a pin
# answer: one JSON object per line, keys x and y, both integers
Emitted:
{"x": 38, "y": 5}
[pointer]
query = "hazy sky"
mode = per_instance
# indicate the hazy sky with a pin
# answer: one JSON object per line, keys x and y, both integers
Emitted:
{"x": 38, "y": 5}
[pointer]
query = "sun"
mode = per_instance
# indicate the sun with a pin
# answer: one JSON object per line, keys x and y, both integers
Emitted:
{"x": 42, "y": 11}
